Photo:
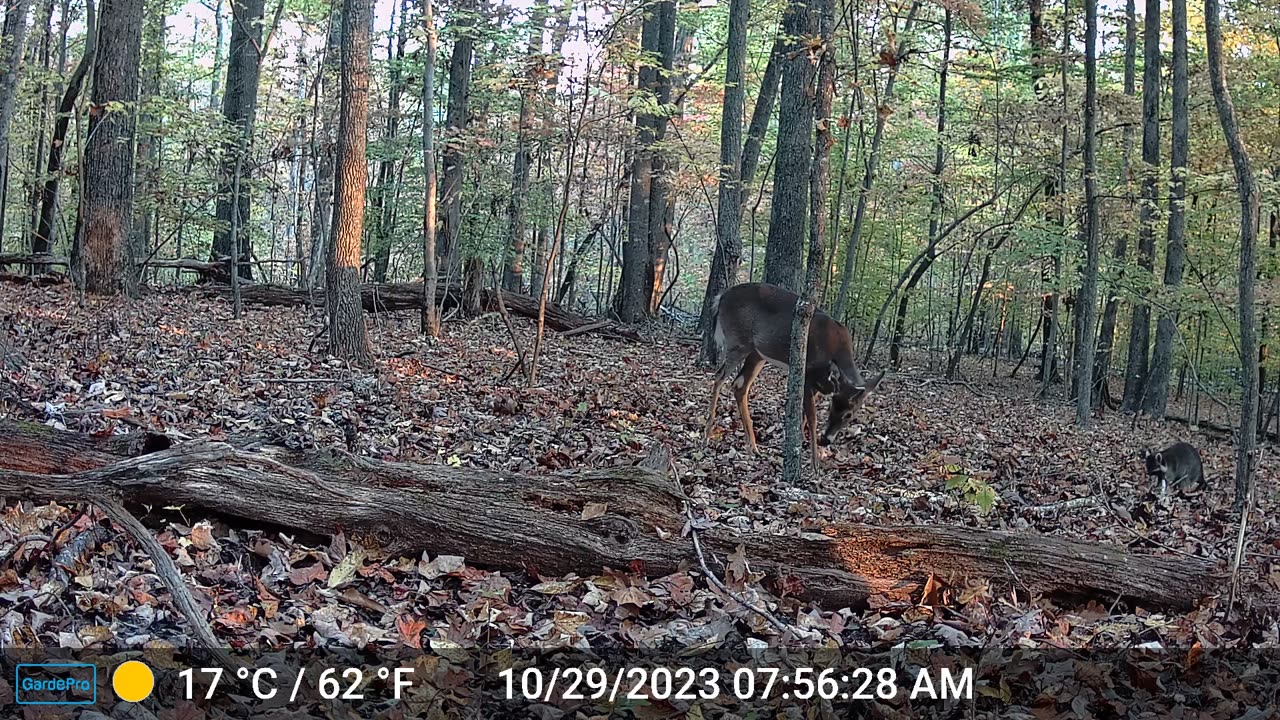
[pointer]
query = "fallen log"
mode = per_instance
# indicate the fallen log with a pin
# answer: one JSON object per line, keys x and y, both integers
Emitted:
{"x": 210, "y": 271}
{"x": 38, "y": 280}
{"x": 515, "y": 522}
{"x": 394, "y": 297}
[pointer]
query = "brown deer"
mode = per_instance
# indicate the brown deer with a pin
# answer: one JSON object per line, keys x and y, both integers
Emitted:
{"x": 753, "y": 326}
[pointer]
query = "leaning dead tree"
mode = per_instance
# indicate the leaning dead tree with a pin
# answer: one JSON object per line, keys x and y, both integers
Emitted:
{"x": 516, "y": 522}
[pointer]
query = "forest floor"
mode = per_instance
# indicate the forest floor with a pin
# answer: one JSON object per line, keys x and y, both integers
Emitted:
{"x": 977, "y": 453}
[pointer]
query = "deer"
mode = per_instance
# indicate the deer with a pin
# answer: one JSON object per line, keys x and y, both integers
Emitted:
{"x": 752, "y": 326}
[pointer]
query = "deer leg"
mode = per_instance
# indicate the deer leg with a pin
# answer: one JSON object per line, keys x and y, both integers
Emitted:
{"x": 811, "y": 427}
{"x": 741, "y": 386}
{"x": 732, "y": 359}
{"x": 715, "y": 402}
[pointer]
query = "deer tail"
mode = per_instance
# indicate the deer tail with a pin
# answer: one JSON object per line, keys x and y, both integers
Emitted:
{"x": 716, "y": 331}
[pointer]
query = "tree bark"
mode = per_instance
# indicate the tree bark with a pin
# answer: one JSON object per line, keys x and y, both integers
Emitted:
{"x": 46, "y": 232}
{"x": 632, "y": 302}
{"x": 823, "y": 16}
{"x": 106, "y": 216}
{"x": 12, "y": 44}
{"x": 457, "y": 118}
{"x": 529, "y": 83}
{"x": 783, "y": 255}
{"x": 728, "y": 250}
{"x": 239, "y": 109}
{"x": 322, "y": 151}
{"x": 348, "y": 336}
{"x": 1247, "y": 190}
{"x": 1087, "y": 301}
{"x": 1135, "y": 376}
{"x": 1161, "y": 367}
{"x": 384, "y": 200}
{"x": 430, "y": 319}
{"x": 661, "y": 200}
{"x": 515, "y": 523}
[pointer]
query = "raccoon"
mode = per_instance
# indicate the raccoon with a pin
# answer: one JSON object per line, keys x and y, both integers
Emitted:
{"x": 1177, "y": 466}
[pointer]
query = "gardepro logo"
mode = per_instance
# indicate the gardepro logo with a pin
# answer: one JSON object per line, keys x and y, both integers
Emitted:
{"x": 56, "y": 684}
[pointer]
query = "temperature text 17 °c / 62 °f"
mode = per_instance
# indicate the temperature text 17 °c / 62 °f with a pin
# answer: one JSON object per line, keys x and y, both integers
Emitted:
{"x": 267, "y": 683}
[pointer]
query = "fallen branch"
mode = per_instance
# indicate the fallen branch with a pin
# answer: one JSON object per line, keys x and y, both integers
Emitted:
{"x": 393, "y": 297}
{"x": 514, "y": 522}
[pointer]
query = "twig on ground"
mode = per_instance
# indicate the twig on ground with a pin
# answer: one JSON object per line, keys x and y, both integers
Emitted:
{"x": 1063, "y": 505}
{"x": 172, "y": 578}
{"x": 782, "y": 627}
{"x": 18, "y": 543}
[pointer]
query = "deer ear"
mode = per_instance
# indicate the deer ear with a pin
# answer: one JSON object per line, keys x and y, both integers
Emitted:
{"x": 835, "y": 374}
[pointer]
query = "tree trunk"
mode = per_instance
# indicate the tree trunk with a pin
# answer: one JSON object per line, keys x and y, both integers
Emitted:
{"x": 106, "y": 215}
{"x": 46, "y": 234}
{"x": 1106, "y": 341}
{"x": 323, "y": 150}
{"x": 430, "y": 322}
{"x": 1247, "y": 189}
{"x": 872, "y": 165}
{"x": 348, "y": 336}
{"x": 457, "y": 118}
{"x": 514, "y": 522}
{"x": 1087, "y": 301}
{"x": 783, "y": 255}
{"x": 384, "y": 205}
{"x": 1135, "y": 376}
{"x": 529, "y": 84}
{"x": 632, "y": 301}
{"x": 822, "y": 14}
{"x": 239, "y": 109}
{"x": 935, "y": 205}
{"x": 661, "y": 200}
{"x": 12, "y": 44}
{"x": 1157, "y": 393}
{"x": 728, "y": 251}
{"x": 150, "y": 134}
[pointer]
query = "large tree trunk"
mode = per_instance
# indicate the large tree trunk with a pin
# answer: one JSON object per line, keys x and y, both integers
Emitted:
{"x": 632, "y": 301}
{"x": 348, "y": 337}
{"x": 784, "y": 253}
{"x": 1106, "y": 341}
{"x": 1247, "y": 189}
{"x": 661, "y": 199}
{"x": 1087, "y": 301}
{"x": 457, "y": 117}
{"x": 728, "y": 251}
{"x": 1135, "y": 374}
{"x": 239, "y": 108}
{"x": 515, "y": 522}
{"x": 106, "y": 213}
{"x": 1157, "y": 394}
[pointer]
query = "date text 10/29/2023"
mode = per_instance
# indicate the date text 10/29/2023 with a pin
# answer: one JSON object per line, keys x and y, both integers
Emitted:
{"x": 743, "y": 683}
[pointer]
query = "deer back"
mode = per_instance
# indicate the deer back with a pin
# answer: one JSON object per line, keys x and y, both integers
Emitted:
{"x": 757, "y": 316}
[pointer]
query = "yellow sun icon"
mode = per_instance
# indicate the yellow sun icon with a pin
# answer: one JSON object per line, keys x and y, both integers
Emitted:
{"x": 133, "y": 681}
